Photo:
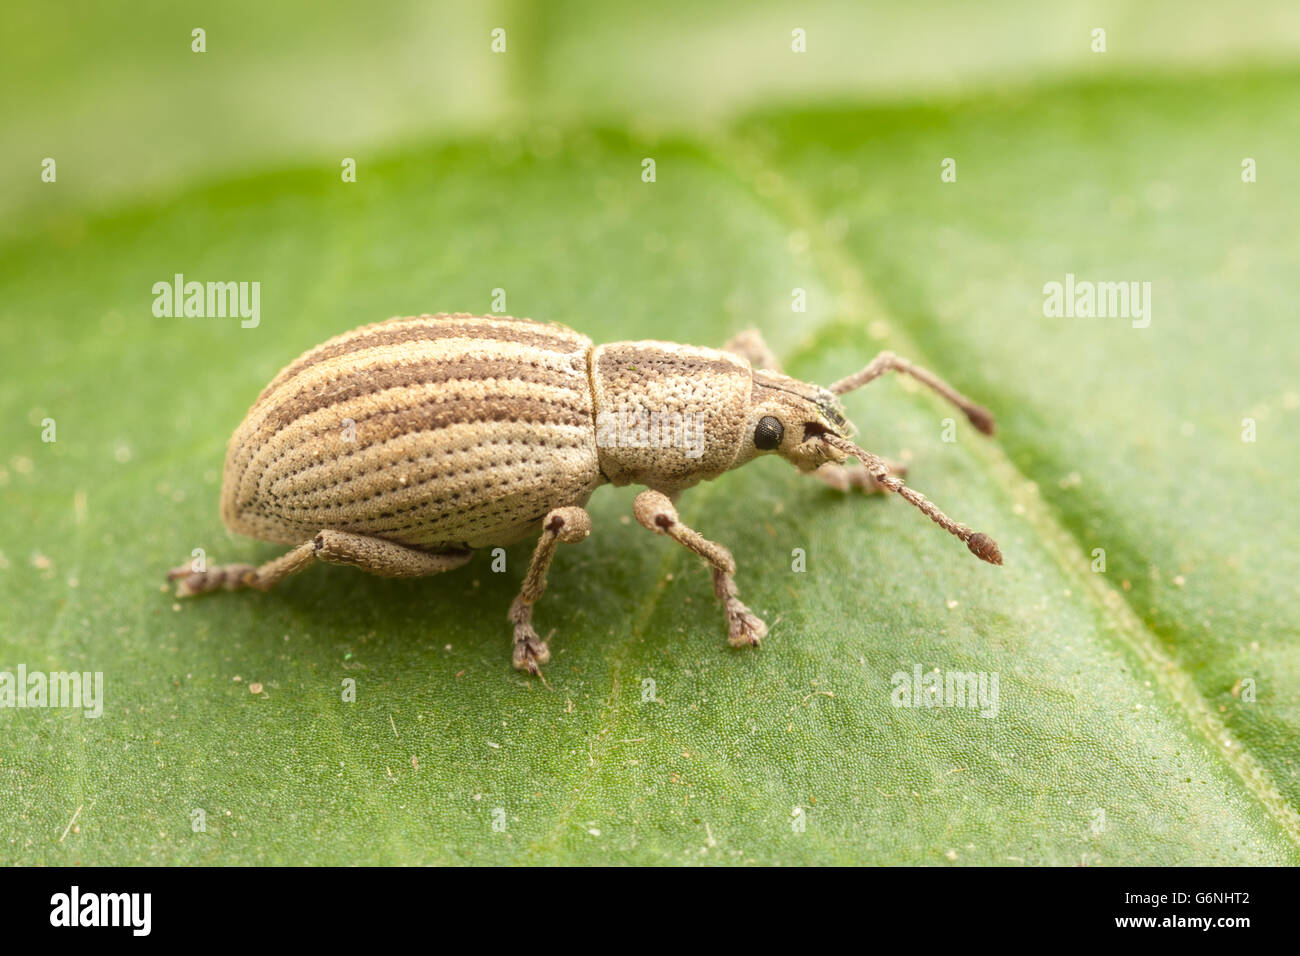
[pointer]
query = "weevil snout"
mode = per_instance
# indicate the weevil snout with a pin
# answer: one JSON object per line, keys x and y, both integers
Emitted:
{"x": 815, "y": 451}
{"x": 790, "y": 417}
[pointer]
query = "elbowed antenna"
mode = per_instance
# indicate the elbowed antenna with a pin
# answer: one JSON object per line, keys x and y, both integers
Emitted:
{"x": 980, "y": 545}
{"x": 979, "y": 416}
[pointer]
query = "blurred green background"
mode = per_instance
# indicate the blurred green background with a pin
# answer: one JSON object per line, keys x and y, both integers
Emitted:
{"x": 1148, "y": 713}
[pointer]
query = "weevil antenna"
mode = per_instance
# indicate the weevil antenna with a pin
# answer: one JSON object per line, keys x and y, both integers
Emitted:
{"x": 980, "y": 545}
{"x": 979, "y": 416}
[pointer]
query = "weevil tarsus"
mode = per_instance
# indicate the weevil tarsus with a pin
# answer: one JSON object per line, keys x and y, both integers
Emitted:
{"x": 856, "y": 477}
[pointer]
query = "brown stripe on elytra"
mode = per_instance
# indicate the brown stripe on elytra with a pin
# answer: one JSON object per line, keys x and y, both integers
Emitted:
{"x": 420, "y": 395}
{"x": 428, "y": 329}
{"x": 362, "y": 377}
{"x": 472, "y": 373}
{"x": 420, "y": 373}
{"x": 462, "y": 510}
{"x": 431, "y": 417}
{"x": 435, "y": 473}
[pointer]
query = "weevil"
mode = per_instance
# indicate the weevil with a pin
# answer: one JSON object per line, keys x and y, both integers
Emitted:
{"x": 402, "y": 447}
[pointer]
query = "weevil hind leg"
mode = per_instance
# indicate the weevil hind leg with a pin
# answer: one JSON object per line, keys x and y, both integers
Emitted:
{"x": 233, "y": 577}
{"x": 373, "y": 555}
{"x": 855, "y": 477}
{"x": 655, "y": 512}
{"x": 568, "y": 525}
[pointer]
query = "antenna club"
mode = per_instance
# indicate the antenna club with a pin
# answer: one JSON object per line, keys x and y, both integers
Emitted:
{"x": 984, "y": 548}
{"x": 981, "y": 418}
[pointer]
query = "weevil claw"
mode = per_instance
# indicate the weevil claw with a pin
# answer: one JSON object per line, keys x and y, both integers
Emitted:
{"x": 530, "y": 657}
{"x": 228, "y": 576}
{"x": 744, "y": 628}
{"x": 531, "y": 651}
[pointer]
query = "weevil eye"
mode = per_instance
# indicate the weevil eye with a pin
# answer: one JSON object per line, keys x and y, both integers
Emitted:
{"x": 768, "y": 433}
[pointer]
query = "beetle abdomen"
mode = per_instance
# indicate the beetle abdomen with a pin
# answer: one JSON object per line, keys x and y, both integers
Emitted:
{"x": 433, "y": 431}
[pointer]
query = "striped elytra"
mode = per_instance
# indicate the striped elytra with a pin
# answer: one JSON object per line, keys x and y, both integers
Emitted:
{"x": 401, "y": 447}
{"x": 436, "y": 431}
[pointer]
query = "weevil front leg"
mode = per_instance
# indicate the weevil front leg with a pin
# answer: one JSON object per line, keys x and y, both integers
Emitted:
{"x": 750, "y": 346}
{"x": 374, "y": 555}
{"x": 655, "y": 512}
{"x": 569, "y": 525}
{"x": 850, "y": 477}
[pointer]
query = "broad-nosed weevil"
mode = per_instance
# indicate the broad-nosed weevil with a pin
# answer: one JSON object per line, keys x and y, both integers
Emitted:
{"x": 401, "y": 447}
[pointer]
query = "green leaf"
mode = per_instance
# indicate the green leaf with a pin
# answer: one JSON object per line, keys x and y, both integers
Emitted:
{"x": 1117, "y": 737}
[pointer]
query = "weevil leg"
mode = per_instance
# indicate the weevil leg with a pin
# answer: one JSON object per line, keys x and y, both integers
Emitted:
{"x": 850, "y": 477}
{"x": 655, "y": 512}
{"x": 569, "y": 525}
{"x": 374, "y": 555}
{"x": 387, "y": 559}
{"x": 750, "y": 346}
{"x": 232, "y": 577}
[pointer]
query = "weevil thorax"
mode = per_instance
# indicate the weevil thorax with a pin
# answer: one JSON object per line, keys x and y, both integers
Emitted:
{"x": 668, "y": 416}
{"x": 788, "y": 417}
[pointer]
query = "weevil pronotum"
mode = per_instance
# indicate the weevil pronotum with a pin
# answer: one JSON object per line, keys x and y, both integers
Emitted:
{"x": 402, "y": 447}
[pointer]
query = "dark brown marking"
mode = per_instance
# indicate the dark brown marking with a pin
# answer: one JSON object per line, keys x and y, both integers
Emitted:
{"x": 404, "y": 331}
{"x": 376, "y": 380}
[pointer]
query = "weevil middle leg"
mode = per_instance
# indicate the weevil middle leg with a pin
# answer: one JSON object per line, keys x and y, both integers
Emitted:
{"x": 655, "y": 512}
{"x": 851, "y": 477}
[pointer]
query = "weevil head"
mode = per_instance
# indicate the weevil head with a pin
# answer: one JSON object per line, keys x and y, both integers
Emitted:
{"x": 669, "y": 416}
{"x": 805, "y": 425}
{"x": 789, "y": 417}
